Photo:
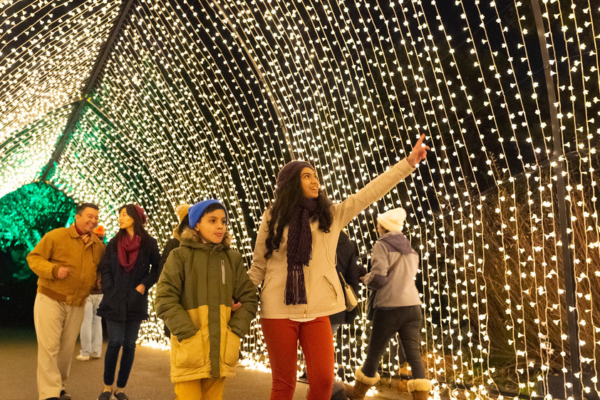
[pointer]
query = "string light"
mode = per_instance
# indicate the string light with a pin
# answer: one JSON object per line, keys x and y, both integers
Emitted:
{"x": 24, "y": 154}
{"x": 210, "y": 99}
{"x": 44, "y": 58}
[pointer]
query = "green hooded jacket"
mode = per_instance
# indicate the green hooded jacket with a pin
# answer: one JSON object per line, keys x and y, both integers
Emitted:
{"x": 193, "y": 297}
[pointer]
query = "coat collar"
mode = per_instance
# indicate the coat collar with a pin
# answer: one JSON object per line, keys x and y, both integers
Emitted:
{"x": 191, "y": 238}
{"x": 73, "y": 231}
{"x": 74, "y": 234}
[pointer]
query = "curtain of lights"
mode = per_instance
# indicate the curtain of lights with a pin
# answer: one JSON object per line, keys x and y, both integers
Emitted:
{"x": 205, "y": 99}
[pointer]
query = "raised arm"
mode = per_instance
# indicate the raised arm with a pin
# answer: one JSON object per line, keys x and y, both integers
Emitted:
{"x": 259, "y": 262}
{"x": 378, "y": 187}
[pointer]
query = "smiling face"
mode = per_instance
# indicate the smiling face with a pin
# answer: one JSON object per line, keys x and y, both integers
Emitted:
{"x": 310, "y": 183}
{"x": 212, "y": 226}
{"x": 87, "y": 221}
{"x": 125, "y": 221}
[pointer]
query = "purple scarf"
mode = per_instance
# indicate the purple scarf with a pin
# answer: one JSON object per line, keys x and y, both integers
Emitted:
{"x": 299, "y": 250}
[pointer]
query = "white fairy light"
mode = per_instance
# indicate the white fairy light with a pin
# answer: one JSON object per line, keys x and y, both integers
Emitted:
{"x": 203, "y": 99}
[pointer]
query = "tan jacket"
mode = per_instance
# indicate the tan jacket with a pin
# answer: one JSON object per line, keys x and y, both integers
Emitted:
{"x": 323, "y": 290}
{"x": 63, "y": 247}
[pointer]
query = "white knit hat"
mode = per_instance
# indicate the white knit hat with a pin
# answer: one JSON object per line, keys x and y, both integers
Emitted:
{"x": 392, "y": 220}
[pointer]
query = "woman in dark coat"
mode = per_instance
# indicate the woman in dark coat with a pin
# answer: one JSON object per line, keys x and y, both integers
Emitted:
{"x": 129, "y": 269}
{"x": 346, "y": 266}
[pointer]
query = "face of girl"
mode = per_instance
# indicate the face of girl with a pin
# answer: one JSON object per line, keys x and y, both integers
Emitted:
{"x": 125, "y": 221}
{"x": 310, "y": 183}
{"x": 212, "y": 226}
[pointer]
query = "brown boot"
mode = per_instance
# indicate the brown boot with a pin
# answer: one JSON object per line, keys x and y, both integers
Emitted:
{"x": 419, "y": 388}
{"x": 403, "y": 386}
{"x": 362, "y": 384}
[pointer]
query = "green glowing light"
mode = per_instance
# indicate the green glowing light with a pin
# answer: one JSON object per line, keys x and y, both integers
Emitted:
{"x": 28, "y": 213}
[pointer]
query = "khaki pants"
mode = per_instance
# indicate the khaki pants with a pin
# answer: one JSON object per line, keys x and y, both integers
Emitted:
{"x": 57, "y": 327}
{"x": 202, "y": 389}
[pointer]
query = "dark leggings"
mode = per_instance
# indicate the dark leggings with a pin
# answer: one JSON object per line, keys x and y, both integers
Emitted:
{"x": 406, "y": 321}
{"x": 120, "y": 334}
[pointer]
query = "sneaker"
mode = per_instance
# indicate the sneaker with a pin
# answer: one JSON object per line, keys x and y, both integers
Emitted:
{"x": 121, "y": 396}
{"x": 64, "y": 395}
{"x": 83, "y": 358}
{"x": 96, "y": 355}
{"x": 105, "y": 396}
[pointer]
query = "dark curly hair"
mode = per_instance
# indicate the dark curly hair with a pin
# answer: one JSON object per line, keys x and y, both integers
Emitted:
{"x": 282, "y": 210}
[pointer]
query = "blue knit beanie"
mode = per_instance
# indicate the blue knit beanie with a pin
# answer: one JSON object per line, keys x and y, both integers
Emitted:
{"x": 196, "y": 212}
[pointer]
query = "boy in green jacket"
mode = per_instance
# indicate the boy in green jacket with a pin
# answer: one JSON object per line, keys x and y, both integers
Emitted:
{"x": 193, "y": 297}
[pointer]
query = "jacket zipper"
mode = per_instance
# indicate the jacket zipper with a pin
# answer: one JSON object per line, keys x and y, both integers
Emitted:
{"x": 74, "y": 295}
{"x": 223, "y": 271}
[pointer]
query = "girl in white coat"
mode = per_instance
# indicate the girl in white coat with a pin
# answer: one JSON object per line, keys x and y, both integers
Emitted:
{"x": 295, "y": 258}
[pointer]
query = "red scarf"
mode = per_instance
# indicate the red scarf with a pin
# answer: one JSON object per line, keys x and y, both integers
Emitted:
{"x": 128, "y": 248}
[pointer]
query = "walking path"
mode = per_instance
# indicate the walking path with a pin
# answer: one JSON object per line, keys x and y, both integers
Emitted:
{"x": 149, "y": 378}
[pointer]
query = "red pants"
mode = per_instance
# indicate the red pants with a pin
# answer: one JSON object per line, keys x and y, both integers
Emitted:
{"x": 281, "y": 338}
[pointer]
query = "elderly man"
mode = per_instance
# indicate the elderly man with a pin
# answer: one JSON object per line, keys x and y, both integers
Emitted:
{"x": 65, "y": 260}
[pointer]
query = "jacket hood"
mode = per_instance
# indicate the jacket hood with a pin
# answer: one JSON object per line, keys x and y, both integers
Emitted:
{"x": 396, "y": 242}
{"x": 191, "y": 235}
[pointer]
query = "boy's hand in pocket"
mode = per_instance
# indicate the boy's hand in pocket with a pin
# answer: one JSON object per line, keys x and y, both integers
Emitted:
{"x": 235, "y": 306}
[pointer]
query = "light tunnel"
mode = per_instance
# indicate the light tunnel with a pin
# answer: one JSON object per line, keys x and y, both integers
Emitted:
{"x": 160, "y": 102}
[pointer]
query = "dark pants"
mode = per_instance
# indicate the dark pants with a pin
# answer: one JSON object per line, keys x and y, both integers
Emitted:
{"x": 406, "y": 321}
{"x": 120, "y": 334}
